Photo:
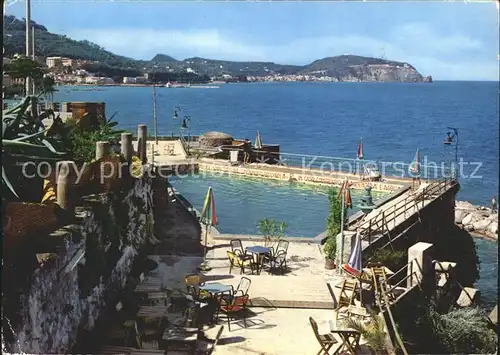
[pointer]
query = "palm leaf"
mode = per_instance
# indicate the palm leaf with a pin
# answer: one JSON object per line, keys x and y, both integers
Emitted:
{"x": 7, "y": 182}
{"x": 25, "y": 137}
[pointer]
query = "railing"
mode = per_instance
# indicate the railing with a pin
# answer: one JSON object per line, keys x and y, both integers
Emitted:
{"x": 326, "y": 164}
{"x": 185, "y": 203}
{"x": 185, "y": 144}
{"x": 411, "y": 273}
{"x": 378, "y": 224}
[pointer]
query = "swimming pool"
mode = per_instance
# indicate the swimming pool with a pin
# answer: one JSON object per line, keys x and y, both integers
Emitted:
{"x": 240, "y": 202}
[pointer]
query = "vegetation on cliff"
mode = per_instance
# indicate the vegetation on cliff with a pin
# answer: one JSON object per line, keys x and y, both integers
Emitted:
{"x": 343, "y": 68}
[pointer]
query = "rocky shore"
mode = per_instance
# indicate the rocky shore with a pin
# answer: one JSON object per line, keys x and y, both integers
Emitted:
{"x": 477, "y": 219}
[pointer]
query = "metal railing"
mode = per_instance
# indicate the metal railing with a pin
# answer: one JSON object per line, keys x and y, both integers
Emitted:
{"x": 406, "y": 207}
{"x": 184, "y": 202}
{"x": 411, "y": 272}
{"x": 327, "y": 165}
{"x": 185, "y": 144}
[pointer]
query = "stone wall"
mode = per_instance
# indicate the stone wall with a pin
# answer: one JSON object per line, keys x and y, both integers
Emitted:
{"x": 67, "y": 293}
{"x": 308, "y": 176}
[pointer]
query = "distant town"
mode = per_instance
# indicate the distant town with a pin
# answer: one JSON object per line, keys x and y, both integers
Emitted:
{"x": 67, "y": 71}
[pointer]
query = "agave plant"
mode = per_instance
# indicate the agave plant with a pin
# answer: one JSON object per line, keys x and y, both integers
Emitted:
{"x": 373, "y": 332}
{"x": 81, "y": 140}
{"x": 24, "y": 140}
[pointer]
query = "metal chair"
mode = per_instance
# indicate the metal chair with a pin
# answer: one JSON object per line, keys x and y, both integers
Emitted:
{"x": 237, "y": 248}
{"x": 236, "y": 304}
{"x": 277, "y": 258}
{"x": 236, "y": 261}
{"x": 243, "y": 286}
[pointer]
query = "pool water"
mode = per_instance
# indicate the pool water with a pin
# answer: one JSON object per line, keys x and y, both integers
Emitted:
{"x": 240, "y": 202}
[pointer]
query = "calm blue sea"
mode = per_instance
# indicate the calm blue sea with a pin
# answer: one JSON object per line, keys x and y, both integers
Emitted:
{"x": 326, "y": 119}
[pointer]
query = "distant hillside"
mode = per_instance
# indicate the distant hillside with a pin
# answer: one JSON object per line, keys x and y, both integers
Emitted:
{"x": 356, "y": 68}
{"x": 341, "y": 68}
{"x": 49, "y": 44}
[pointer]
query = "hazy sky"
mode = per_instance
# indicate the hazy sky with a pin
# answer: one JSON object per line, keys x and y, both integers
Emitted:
{"x": 448, "y": 40}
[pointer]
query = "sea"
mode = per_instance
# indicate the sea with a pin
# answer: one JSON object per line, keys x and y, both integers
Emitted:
{"x": 327, "y": 119}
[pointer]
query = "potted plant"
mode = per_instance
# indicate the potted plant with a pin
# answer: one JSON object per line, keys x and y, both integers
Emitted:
{"x": 330, "y": 250}
{"x": 272, "y": 230}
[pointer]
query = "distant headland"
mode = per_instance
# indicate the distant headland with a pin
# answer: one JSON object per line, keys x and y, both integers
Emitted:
{"x": 99, "y": 62}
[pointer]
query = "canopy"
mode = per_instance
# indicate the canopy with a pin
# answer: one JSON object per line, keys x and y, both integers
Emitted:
{"x": 354, "y": 266}
{"x": 258, "y": 141}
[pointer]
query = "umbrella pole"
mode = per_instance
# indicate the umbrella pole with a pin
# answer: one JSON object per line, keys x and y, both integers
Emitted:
{"x": 204, "y": 266}
{"x": 342, "y": 233}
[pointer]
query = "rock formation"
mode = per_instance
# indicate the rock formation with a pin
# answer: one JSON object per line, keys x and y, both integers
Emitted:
{"x": 478, "y": 219}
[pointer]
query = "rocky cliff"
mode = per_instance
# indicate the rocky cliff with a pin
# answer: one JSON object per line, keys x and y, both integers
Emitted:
{"x": 364, "y": 69}
{"x": 477, "y": 219}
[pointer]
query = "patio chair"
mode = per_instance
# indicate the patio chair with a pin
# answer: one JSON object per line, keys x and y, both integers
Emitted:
{"x": 243, "y": 287}
{"x": 277, "y": 258}
{"x": 235, "y": 261}
{"x": 326, "y": 341}
{"x": 193, "y": 283}
{"x": 346, "y": 296}
{"x": 237, "y": 248}
{"x": 235, "y": 305}
{"x": 241, "y": 290}
{"x": 379, "y": 276}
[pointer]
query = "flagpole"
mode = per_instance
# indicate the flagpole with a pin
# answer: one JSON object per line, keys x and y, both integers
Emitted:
{"x": 342, "y": 229}
{"x": 206, "y": 206}
{"x": 204, "y": 266}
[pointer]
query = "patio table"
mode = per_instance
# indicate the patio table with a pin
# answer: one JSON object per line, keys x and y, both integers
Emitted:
{"x": 215, "y": 288}
{"x": 350, "y": 338}
{"x": 259, "y": 251}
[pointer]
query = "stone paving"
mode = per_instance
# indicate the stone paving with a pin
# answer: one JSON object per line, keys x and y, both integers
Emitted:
{"x": 269, "y": 330}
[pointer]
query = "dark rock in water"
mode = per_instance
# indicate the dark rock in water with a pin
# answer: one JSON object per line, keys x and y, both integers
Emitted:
{"x": 427, "y": 79}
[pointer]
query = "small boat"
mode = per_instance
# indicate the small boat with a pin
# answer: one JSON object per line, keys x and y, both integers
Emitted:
{"x": 174, "y": 86}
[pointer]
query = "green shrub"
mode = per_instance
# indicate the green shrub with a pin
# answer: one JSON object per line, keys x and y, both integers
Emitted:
{"x": 81, "y": 142}
{"x": 333, "y": 223}
{"x": 273, "y": 231}
{"x": 461, "y": 331}
{"x": 465, "y": 331}
{"x": 330, "y": 248}
{"x": 392, "y": 259}
{"x": 373, "y": 332}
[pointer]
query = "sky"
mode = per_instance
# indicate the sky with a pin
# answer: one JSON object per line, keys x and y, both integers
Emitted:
{"x": 450, "y": 40}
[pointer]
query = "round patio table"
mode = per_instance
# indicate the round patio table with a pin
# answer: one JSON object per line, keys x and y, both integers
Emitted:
{"x": 215, "y": 287}
{"x": 259, "y": 252}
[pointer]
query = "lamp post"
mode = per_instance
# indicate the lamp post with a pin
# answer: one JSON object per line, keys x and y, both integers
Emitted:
{"x": 175, "y": 115}
{"x": 186, "y": 124}
{"x": 453, "y": 138}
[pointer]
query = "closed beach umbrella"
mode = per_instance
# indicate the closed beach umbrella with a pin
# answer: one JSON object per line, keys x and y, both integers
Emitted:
{"x": 360, "y": 149}
{"x": 346, "y": 191}
{"x": 258, "y": 141}
{"x": 209, "y": 218}
{"x": 414, "y": 168}
{"x": 208, "y": 211}
{"x": 354, "y": 266}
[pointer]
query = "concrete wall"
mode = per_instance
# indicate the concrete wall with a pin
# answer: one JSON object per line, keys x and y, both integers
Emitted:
{"x": 436, "y": 225}
{"x": 62, "y": 299}
{"x": 292, "y": 174}
{"x": 435, "y": 218}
